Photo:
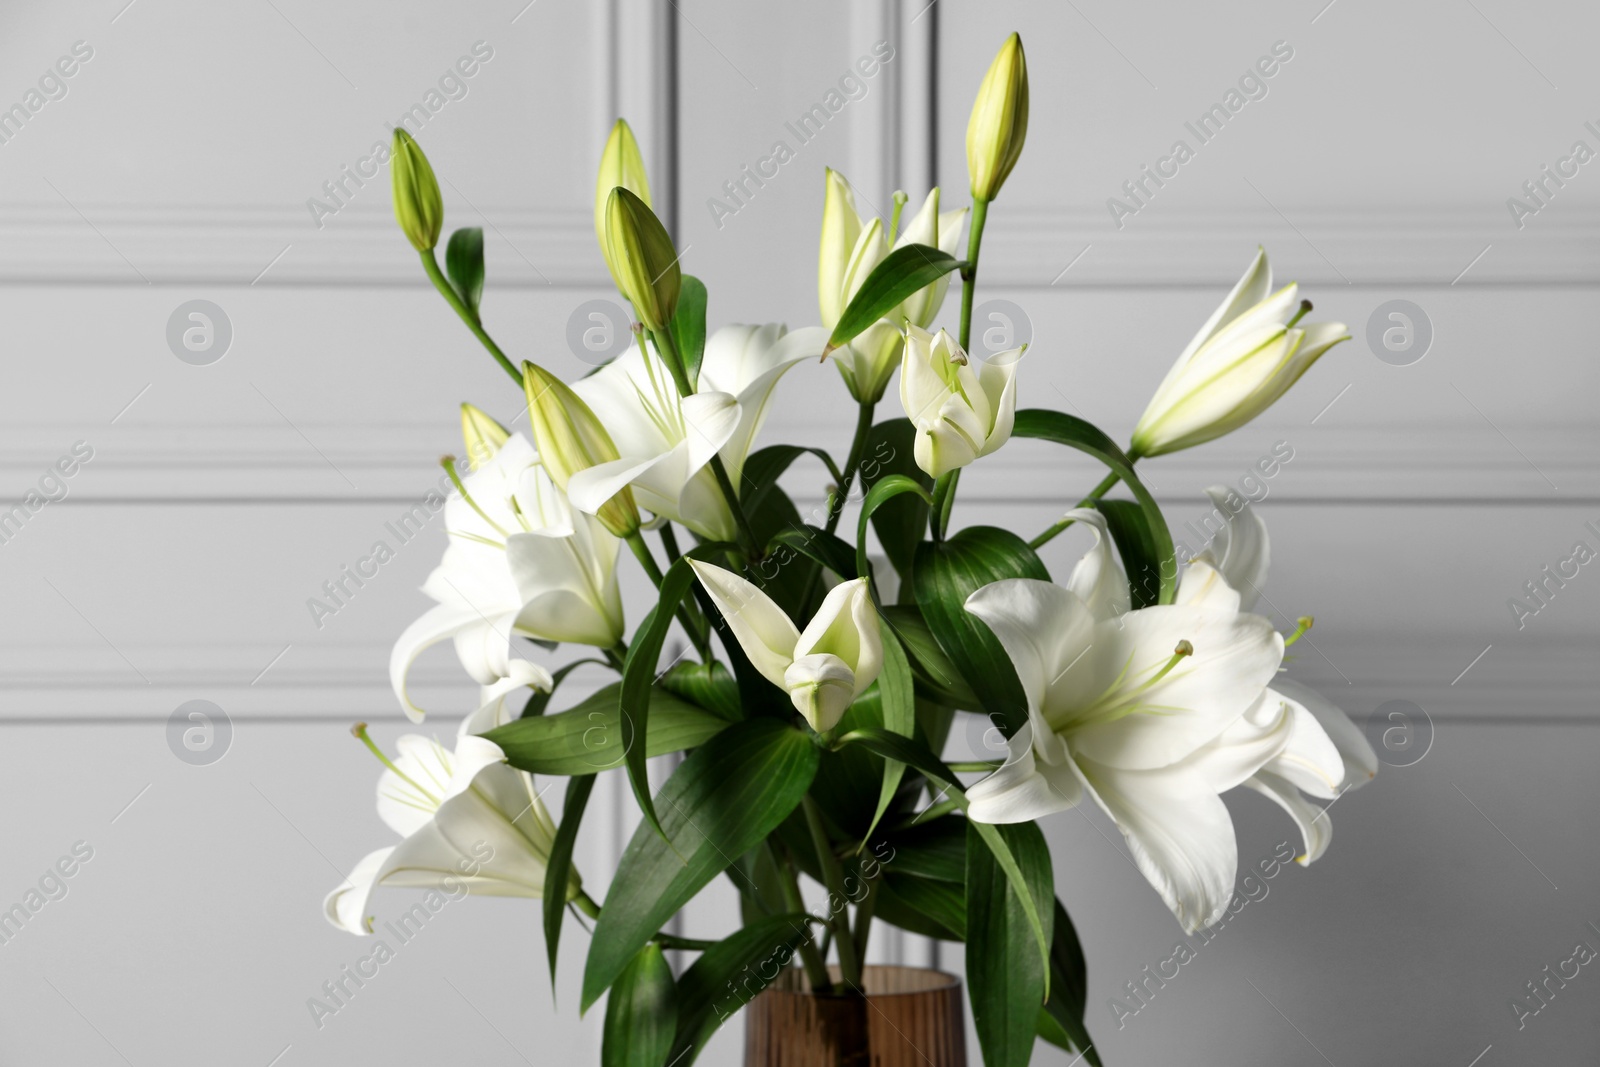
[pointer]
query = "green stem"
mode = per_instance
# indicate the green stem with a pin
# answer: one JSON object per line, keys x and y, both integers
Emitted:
{"x": 864, "y": 910}
{"x": 688, "y": 944}
{"x": 1093, "y": 498}
{"x": 969, "y": 273}
{"x": 815, "y": 965}
{"x": 697, "y": 628}
{"x": 586, "y": 904}
{"x": 944, "y": 497}
{"x": 852, "y": 463}
{"x": 430, "y": 263}
{"x": 833, "y": 877}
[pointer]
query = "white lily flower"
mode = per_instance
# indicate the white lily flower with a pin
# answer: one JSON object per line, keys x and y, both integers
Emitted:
{"x": 665, "y": 442}
{"x": 1244, "y": 358}
{"x": 520, "y": 561}
{"x": 823, "y": 668}
{"x": 1152, "y": 713}
{"x": 469, "y": 823}
{"x": 852, "y": 245}
{"x": 1327, "y": 754}
{"x": 959, "y": 413}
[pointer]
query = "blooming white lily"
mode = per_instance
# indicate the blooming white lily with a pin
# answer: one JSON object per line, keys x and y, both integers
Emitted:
{"x": 959, "y": 413}
{"x": 1152, "y": 713}
{"x": 468, "y": 822}
{"x": 665, "y": 442}
{"x": 520, "y": 561}
{"x": 1244, "y": 358}
{"x": 1239, "y": 555}
{"x": 852, "y": 246}
{"x": 823, "y": 668}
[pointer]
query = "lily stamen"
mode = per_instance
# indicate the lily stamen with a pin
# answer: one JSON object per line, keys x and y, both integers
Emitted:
{"x": 1179, "y": 654}
{"x": 1302, "y": 624}
{"x": 359, "y": 731}
{"x": 449, "y": 465}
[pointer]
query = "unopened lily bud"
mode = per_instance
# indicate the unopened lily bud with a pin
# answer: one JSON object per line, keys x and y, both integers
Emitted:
{"x": 621, "y": 165}
{"x": 642, "y": 258}
{"x": 572, "y": 442}
{"x": 482, "y": 435}
{"x": 417, "y": 205}
{"x": 999, "y": 122}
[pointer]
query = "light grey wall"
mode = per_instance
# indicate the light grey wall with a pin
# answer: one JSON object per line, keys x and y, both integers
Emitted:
{"x": 219, "y": 498}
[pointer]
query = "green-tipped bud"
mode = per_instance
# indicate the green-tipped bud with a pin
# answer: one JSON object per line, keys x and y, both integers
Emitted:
{"x": 482, "y": 435}
{"x": 417, "y": 206}
{"x": 571, "y": 439}
{"x": 999, "y": 122}
{"x": 642, "y": 258}
{"x": 621, "y": 165}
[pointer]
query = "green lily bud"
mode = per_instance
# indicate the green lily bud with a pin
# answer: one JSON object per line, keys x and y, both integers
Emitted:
{"x": 642, "y": 258}
{"x": 482, "y": 435}
{"x": 572, "y": 441}
{"x": 417, "y": 206}
{"x": 999, "y": 122}
{"x": 621, "y": 165}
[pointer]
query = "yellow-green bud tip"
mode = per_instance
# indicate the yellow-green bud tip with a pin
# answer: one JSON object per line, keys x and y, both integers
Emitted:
{"x": 999, "y": 123}
{"x": 418, "y": 207}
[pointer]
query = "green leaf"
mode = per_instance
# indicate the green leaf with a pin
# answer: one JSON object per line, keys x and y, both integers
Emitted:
{"x": 689, "y": 325}
{"x": 709, "y": 686}
{"x": 890, "y": 449}
{"x": 558, "y": 868}
{"x": 899, "y": 715}
{"x": 1130, "y": 529}
{"x": 916, "y": 754}
{"x": 763, "y": 469}
{"x": 725, "y": 798}
{"x": 538, "y": 702}
{"x": 1073, "y": 432}
{"x": 946, "y": 573}
{"x": 901, "y": 273}
{"x": 935, "y": 849}
{"x": 830, "y": 550}
{"x": 589, "y": 737}
{"x": 885, "y": 490}
{"x": 923, "y": 906}
{"x": 641, "y": 1014}
{"x": 639, "y": 674}
{"x": 463, "y": 262}
{"x": 728, "y": 975}
{"x": 1005, "y": 981}
{"x": 928, "y": 661}
{"x": 1069, "y": 982}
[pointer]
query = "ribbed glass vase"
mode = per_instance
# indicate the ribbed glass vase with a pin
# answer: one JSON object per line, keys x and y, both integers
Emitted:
{"x": 909, "y": 1017}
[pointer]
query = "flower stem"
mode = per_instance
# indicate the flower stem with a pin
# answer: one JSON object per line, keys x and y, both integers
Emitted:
{"x": 944, "y": 496}
{"x": 852, "y": 464}
{"x": 969, "y": 273}
{"x": 815, "y": 965}
{"x": 833, "y": 875}
{"x": 1089, "y": 501}
{"x": 586, "y": 904}
{"x": 430, "y": 263}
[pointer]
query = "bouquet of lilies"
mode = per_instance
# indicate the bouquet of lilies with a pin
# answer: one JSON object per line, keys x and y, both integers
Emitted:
{"x": 824, "y": 665}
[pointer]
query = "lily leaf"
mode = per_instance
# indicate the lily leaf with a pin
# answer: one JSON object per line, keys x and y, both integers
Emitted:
{"x": 899, "y": 523}
{"x": 642, "y": 1013}
{"x": 728, "y": 975}
{"x": 1069, "y": 978}
{"x": 899, "y": 715}
{"x": 901, "y": 273}
{"x": 1136, "y": 543}
{"x": 1074, "y": 432}
{"x": 463, "y": 262}
{"x": 558, "y": 868}
{"x": 589, "y": 738}
{"x": 689, "y": 325}
{"x": 1005, "y": 982}
{"x": 724, "y": 799}
{"x": 946, "y": 573}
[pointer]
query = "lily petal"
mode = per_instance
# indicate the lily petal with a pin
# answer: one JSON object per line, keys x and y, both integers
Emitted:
{"x": 763, "y": 630}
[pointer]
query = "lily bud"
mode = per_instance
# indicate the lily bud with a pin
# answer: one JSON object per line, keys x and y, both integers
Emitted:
{"x": 642, "y": 258}
{"x": 824, "y": 668}
{"x": 1244, "y": 358}
{"x": 851, "y": 247}
{"x": 417, "y": 205}
{"x": 959, "y": 413}
{"x": 999, "y": 122}
{"x": 482, "y": 435}
{"x": 621, "y": 164}
{"x": 571, "y": 440}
